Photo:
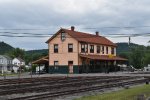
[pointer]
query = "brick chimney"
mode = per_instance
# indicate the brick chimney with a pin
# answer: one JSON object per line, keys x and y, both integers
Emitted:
{"x": 72, "y": 28}
{"x": 97, "y": 33}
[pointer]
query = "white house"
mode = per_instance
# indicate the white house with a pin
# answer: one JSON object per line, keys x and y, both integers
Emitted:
{"x": 147, "y": 68}
{"x": 5, "y": 64}
{"x": 17, "y": 62}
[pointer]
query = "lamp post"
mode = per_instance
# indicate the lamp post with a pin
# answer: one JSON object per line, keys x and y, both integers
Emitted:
{"x": 31, "y": 69}
{"x": 19, "y": 70}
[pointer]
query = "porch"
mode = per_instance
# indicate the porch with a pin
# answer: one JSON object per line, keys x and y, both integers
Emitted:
{"x": 43, "y": 61}
{"x": 100, "y": 63}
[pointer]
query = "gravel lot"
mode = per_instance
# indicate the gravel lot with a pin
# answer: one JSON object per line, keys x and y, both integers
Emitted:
{"x": 27, "y": 75}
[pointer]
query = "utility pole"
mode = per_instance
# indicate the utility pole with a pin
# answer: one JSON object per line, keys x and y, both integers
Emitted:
{"x": 129, "y": 50}
{"x": 129, "y": 41}
{"x": 19, "y": 74}
{"x": 31, "y": 70}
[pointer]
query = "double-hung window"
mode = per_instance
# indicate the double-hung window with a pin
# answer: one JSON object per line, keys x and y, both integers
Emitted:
{"x": 63, "y": 36}
{"x": 84, "y": 48}
{"x": 103, "y": 49}
{"x": 98, "y": 49}
{"x": 70, "y": 47}
{"x": 106, "y": 50}
{"x": 112, "y": 51}
{"x": 91, "y": 48}
{"x": 55, "y": 48}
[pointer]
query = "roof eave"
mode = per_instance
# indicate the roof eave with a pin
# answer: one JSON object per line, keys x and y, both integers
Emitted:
{"x": 53, "y": 36}
{"x": 113, "y": 44}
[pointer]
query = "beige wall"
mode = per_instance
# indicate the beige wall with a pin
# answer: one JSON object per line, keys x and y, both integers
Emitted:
{"x": 63, "y": 56}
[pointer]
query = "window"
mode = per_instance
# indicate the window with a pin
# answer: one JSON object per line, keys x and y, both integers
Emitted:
{"x": 70, "y": 47}
{"x": 103, "y": 49}
{"x": 106, "y": 50}
{"x": 112, "y": 50}
{"x": 98, "y": 49}
{"x": 55, "y": 48}
{"x": 56, "y": 64}
{"x": 63, "y": 36}
{"x": 8, "y": 68}
{"x": 84, "y": 48}
{"x": 91, "y": 48}
{"x": 1, "y": 60}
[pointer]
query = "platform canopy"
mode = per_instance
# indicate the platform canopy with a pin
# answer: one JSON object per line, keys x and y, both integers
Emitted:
{"x": 103, "y": 57}
{"x": 42, "y": 60}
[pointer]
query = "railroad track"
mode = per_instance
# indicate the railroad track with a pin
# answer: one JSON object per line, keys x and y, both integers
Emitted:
{"x": 56, "y": 85}
{"x": 89, "y": 80}
{"x": 81, "y": 89}
{"x": 27, "y": 83}
{"x": 36, "y": 80}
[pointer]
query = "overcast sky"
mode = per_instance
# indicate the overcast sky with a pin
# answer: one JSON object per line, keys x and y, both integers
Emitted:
{"x": 49, "y": 15}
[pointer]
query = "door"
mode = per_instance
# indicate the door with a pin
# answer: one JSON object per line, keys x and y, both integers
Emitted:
{"x": 70, "y": 64}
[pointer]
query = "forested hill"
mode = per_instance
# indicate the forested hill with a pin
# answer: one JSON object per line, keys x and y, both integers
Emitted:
{"x": 40, "y": 51}
{"x": 125, "y": 47}
{"x": 5, "y": 48}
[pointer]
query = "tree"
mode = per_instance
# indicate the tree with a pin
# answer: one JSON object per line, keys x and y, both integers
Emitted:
{"x": 137, "y": 57}
{"x": 147, "y": 59}
{"x": 147, "y": 56}
{"x": 124, "y": 55}
{"x": 17, "y": 52}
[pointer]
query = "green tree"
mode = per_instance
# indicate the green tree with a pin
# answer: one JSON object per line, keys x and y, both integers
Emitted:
{"x": 17, "y": 52}
{"x": 137, "y": 57}
{"x": 147, "y": 59}
{"x": 147, "y": 56}
{"x": 124, "y": 55}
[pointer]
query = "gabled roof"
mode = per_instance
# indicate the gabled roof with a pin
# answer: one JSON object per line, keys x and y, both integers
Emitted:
{"x": 42, "y": 60}
{"x": 85, "y": 37}
{"x": 7, "y": 57}
{"x": 21, "y": 60}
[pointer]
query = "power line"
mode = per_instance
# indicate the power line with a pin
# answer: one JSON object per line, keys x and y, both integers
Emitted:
{"x": 116, "y": 27}
{"x": 16, "y": 34}
{"x": 22, "y": 36}
{"x": 126, "y": 27}
{"x": 42, "y": 36}
{"x": 25, "y": 29}
{"x": 26, "y": 33}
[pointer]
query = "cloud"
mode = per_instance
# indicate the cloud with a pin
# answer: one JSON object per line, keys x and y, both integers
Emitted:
{"x": 53, "y": 14}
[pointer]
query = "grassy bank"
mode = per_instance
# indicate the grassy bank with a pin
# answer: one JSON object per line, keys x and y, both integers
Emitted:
{"x": 126, "y": 94}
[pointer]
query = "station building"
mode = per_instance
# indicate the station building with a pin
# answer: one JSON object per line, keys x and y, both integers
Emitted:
{"x": 71, "y": 51}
